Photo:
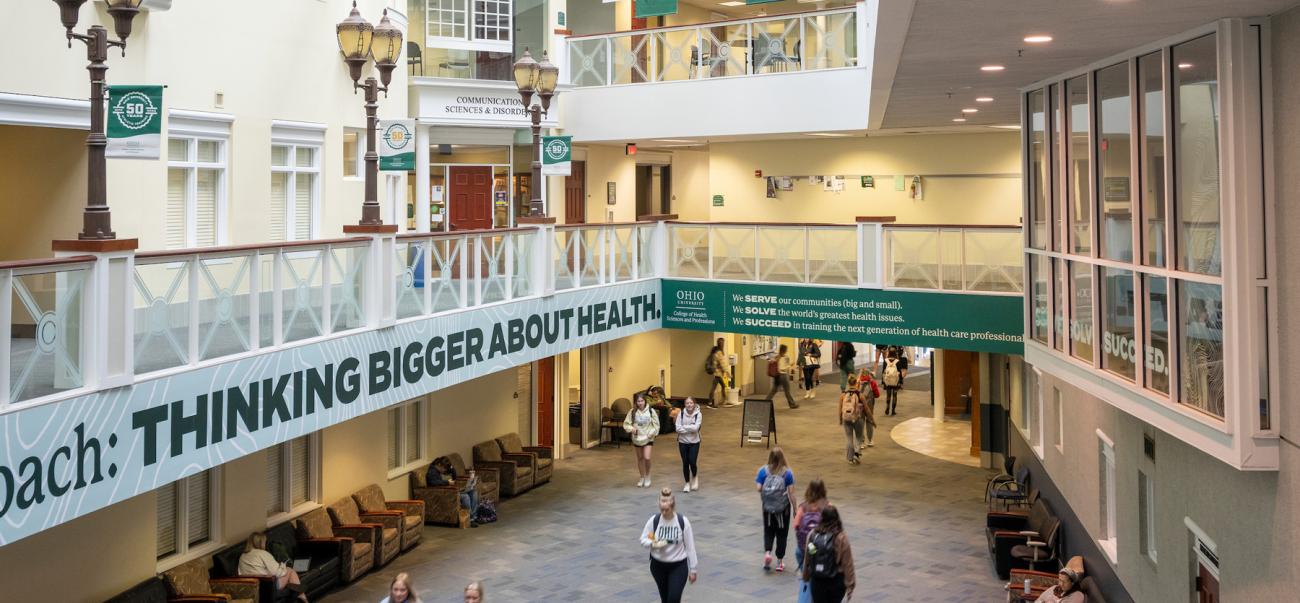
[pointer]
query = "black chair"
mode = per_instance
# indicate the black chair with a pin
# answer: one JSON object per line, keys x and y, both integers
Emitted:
{"x": 1015, "y": 491}
{"x": 1007, "y": 530}
{"x": 225, "y": 564}
{"x": 323, "y": 571}
{"x": 414, "y": 57}
{"x": 153, "y": 590}
{"x": 1039, "y": 549}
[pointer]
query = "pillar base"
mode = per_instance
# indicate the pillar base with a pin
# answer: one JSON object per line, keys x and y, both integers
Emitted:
{"x": 370, "y": 229}
{"x": 94, "y": 245}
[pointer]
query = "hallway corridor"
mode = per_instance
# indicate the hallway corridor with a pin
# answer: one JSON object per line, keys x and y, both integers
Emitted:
{"x": 915, "y": 522}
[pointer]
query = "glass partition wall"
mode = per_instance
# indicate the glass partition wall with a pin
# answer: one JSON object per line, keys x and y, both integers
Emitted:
{"x": 1124, "y": 163}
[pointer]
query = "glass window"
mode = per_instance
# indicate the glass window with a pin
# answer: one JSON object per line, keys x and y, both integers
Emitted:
{"x": 185, "y": 517}
{"x": 352, "y": 154}
{"x": 1196, "y": 154}
{"x": 1119, "y": 346}
{"x": 1058, "y": 304}
{"x": 1106, "y": 495}
{"x": 1081, "y": 310}
{"x": 196, "y": 174}
{"x": 294, "y": 192}
{"x": 1152, "y": 118}
{"x": 1200, "y": 346}
{"x": 1146, "y": 515}
{"x": 1156, "y": 310}
{"x": 406, "y": 434}
{"x": 446, "y": 18}
{"x": 1058, "y": 134}
{"x": 492, "y": 19}
{"x": 1080, "y": 179}
{"x": 1038, "y": 274}
{"x": 1039, "y": 185}
{"x": 1114, "y": 162}
{"x": 290, "y": 471}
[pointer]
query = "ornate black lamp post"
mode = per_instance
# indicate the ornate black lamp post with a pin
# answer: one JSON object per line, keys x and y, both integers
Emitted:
{"x": 359, "y": 42}
{"x": 97, "y": 220}
{"x": 540, "y": 78}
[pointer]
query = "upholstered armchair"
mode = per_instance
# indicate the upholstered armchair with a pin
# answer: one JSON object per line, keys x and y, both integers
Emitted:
{"x": 441, "y": 503}
{"x": 1006, "y": 530}
{"x": 225, "y": 564}
{"x": 516, "y": 470}
{"x": 190, "y": 581}
{"x": 542, "y": 456}
{"x": 489, "y": 478}
{"x": 387, "y": 524}
{"x": 370, "y": 500}
{"x": 359, "y": 541}
{"x": 326, "y": 557}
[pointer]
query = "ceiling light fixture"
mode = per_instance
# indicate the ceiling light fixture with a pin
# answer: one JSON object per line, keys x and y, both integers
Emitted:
{"x": 829, "y": 134}
{"x": 673, "y": 140}
{"x": 1184, "y": 65}
{"x": 1007, "y": 126}
{"x": 984, "y": 99}
{"x": 959, "y": 119}
{"x": 731, "y": 3}
{"x": 1038, "y": 39}
{"x": 992, "y": 68}
{"x": 970, "y": 110}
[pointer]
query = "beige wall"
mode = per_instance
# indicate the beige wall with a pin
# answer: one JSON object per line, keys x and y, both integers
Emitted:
{"x": 635, "y": 362}
{"x": 985, "y": 199}
{"x": 610, "y": 164}
{"x": 690, "y": 183}
{"x": 43, "y": 171}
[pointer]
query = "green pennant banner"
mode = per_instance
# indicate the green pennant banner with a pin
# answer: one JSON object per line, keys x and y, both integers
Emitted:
{"x": 655, "y": 8}
{"x": 134, "y": 128}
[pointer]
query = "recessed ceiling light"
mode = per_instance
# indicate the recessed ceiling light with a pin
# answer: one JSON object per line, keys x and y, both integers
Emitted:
{"x": 959, "y": 119}
{"x": 1038, "y": 39}
{"x": 984, "y": 99}
{"x": 1007, "y": 126}
{"x": 829, "y": 134}
{"x": 1184, "y": 65}
{"x": 970, "y": 110}
{"x": 672, "y": 140}
{"x": 731, "y": 3}
{"x": 992, "y": 68}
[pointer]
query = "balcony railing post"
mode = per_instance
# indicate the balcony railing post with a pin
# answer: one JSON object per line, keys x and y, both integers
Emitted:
{"x": 106, "y": 320}
{"x": 277, "y": 297}
{"x": 660, "y": 248}
{"x": 541, "y": 258}
{"x": 255, "y": 301}
{"x": 873, "y": 251}
{"x": 6, "y": 331}
{"x": 378, "y": 290}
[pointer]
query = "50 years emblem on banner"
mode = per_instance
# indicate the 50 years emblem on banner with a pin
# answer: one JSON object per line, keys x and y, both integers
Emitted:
{"x": 397, "y": 145}
{"x": 134, "y": 122}
{"x": 557, "y": 155}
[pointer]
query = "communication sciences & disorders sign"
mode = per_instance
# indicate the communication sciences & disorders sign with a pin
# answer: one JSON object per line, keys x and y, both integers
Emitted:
{"x": 979, "y": 323}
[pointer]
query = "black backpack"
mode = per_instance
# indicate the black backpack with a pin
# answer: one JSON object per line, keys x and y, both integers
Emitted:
{"x": 681, "y": 525}
{"x": 821, "y": 555}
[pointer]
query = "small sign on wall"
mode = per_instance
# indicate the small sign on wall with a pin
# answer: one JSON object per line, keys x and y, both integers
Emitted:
{"x": 717, "y": 200}
{"x": 868, "y": 182}
{"x": 611, "y": 193}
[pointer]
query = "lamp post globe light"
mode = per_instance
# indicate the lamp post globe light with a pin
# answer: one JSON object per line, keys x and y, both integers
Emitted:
{"x": 532, "y": 77}
{"x": 359, "y": 43}
{"x": 96, "y": 219}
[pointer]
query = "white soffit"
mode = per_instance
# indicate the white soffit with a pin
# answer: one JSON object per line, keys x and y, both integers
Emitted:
{"x": 44, "y": 111}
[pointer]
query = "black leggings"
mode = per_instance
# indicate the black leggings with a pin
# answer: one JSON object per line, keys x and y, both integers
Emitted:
{"x": 808, "y": 376}
{"x": 776, "y": 526}
{"x": 690, "y": 455}
{"x": 827, "y": 590}
{"x": 670, "y": 578}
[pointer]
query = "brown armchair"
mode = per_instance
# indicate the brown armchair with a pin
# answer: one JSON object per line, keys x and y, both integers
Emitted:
{"x": 441, "y": 503}
{"x": 370, "y": 500}
{"x": 515, "y": 470}
{"x": 489, "y": 478}
{"x": 387, "y": 524}
{"x": 542, "y": 456}
{"x": 359, "y": 541}
{"x": 189, "y": 581}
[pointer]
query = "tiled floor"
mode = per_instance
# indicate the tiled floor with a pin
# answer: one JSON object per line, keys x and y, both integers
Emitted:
{"x": 915, "y": 522}
{"x": 948, "y": 440}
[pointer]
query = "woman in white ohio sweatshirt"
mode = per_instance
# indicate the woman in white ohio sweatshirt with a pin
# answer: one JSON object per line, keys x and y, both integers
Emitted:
{"x": 672, "y": 549}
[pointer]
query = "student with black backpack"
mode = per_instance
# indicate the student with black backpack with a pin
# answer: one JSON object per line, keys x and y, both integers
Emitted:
{"x": 776, "y": 489}
{"x": 672, "y": 549}
{"x": 828, "y": 560}
{"x": 844, "y": 360}
{"x": 892, "y": 378}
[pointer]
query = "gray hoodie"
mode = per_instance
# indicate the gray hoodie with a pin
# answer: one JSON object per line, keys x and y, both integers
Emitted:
{"x": 688, "y": 426}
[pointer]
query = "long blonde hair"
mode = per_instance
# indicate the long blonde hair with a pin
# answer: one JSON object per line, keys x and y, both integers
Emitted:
{"x": 405, "y": 579}
{"x": 776, "y": 461}
{"x": 256, "y": 541}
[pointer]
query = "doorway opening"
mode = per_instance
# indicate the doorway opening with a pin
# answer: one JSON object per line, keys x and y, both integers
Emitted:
{"x": 654, "y": 185}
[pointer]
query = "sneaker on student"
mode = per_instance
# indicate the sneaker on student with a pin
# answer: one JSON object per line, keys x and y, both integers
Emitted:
{"x": 695, "y": 483}
{"x": 687, "y": 487}
{"x": 767, "y": 561}
{"x": 640, "y": 483}
{"x": 871, "y": 443}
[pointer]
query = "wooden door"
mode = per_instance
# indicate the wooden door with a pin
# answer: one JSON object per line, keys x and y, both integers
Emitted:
{"x": 1207, "y": 584}
{"x": 471, "y": 197}
{"x": 575, "y": 194}
{"x": 544, "y": 371}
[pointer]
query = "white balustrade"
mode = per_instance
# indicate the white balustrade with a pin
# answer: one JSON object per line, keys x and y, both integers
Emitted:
{"x": 975, "y": 259}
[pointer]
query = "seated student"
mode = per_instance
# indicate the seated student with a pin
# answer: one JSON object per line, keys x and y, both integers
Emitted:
{"x": 1066, "y": 589}
{"x": 257, "y": 561}
{"x": 441, "y": 473}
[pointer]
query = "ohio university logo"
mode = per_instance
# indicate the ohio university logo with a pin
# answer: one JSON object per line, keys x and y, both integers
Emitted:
{"x": 134, "y": 110}
{"x": 557, "y": 150}
{"x": 397, "y": 136}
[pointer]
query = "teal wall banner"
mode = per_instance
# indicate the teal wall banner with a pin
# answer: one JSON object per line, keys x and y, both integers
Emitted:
{"x": 655, "y": 8}
{"x": 980, "y": 323}
{"x": 397, "y": 145}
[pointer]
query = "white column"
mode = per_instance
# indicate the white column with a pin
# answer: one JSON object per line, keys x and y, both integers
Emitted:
{"x": 936, "y": 369}
{"x": 421, "y": 179}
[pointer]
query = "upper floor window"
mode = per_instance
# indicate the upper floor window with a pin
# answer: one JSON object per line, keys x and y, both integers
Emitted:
{"x": 186, "y": 515}
{"x": 295, "y": 192}
{"x": 196, "y": 192}
{"x": 469, "y": 24}
{"x": 406, "y": 434}
{"x": 292, "y": 475}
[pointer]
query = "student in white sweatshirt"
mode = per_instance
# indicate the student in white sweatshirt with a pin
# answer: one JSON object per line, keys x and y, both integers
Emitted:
{"x": 672, "y": 549}
{"x": 687, "y": 423}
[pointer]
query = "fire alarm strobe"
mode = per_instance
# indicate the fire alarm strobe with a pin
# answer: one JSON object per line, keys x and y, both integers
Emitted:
{"x": 630, "y": 149}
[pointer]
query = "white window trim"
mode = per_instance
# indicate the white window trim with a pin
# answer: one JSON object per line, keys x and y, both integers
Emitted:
{"x": 360, "y": 166}
{"x": 196, "y": 126}
{"x": 1058, "y": 403}
{"x": 1149, "y": 515}
{"x": 470, "y": 42}
{"x": 1036, "y": 420}
{"x": 295, "y": 135}
{"x": 423, "y": 437}
{"x": 1108, "y": 474}
{"x": 183, "y": 551}
{"x": 286, "y": 480}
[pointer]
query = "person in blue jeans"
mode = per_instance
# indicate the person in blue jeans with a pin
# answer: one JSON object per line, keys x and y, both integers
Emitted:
{"x": 806, "y": 517}
{"x": 441, "y": 473}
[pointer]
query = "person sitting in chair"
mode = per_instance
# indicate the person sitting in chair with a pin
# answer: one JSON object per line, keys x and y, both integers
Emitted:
{"x": 1066, "y": 589}
{"x": 441, "y": 473}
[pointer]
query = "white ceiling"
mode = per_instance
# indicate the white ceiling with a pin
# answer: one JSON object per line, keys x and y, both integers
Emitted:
{"x": 938, "y": 70}
{"x": 770, "y": 8}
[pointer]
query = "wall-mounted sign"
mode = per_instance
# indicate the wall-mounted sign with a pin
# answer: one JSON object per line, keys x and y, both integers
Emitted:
{"x": 557, "y": 153}
{"x": 475, "y": 103}
{"x": 560, "y": 19}
{"x": 611, "y": 193}
{"x": 134, "y": 122}
{"x": 717, "y": 200}
{"x": 655, "y": 8}
{"x": 501, "y": 199}
{"x": 868, "y": 182}
{"x": 397, "y": 145}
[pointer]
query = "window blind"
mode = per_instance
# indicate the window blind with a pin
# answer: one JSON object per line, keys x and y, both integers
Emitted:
{"x": 274, "y": 481}
{"x": 413, "y": 432}
{"x": 205, "y": 208}
{"x": 166, "y": 532}
{"x": 304, "y": 189}
{"x": 174, "y": 230}
{"x": 198, "y": 514}
{"x": 299, "y": 470}
{"x": 279, "y": 204}
{"x": 394, "y": 437}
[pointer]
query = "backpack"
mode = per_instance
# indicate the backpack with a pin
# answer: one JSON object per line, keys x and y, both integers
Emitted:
{"x": 850, "y": 413}
{"x": 821, "y": 555}
{"x": 892, "y": 376}
{"x": 807, "y": 523}
{"x": 774, "y": 493}
{"x": 773, "y": 367}
{"x": 486, "y": 512}
{"x": 708, "y": 365}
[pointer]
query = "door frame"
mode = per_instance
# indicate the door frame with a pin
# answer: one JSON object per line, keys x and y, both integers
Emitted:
{"x": 599, "y": 357}
{"x": 445, "y": 225}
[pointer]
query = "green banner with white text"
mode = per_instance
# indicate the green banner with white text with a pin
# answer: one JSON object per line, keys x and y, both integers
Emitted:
{"x": 953, "y": 321}
{"x": 397, "y": 145}
{"x": 134, "y": 128}
{"x": 655, "y": 8}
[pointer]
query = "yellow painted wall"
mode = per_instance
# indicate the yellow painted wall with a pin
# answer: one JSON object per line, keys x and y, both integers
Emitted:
{"x": 984, "y": 200}
{"x": 635, "y": 362}
{"x": 42, "y": 188}
{"x": 609, "y": 164}
{"x": 688, "y": 351}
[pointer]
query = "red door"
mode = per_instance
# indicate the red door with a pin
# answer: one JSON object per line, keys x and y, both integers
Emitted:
{"x": 544, "y": 370}
{"x": 575, "y": 194}
{"x": 471, "y": 198}
{"x": 1207, "y": 585}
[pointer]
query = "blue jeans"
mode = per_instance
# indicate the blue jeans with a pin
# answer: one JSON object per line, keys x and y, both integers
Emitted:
{"x": 469, "y": 500}
{"x": 805, "y": 592}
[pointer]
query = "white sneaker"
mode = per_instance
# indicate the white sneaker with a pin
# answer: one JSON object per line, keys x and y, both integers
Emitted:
{"x": 871, "y": 443}
{"x": 687, "y": 487}
{"x": 647, "y": 482}
{"x": 695, "y": 483}
{"x": 640, "y": 483}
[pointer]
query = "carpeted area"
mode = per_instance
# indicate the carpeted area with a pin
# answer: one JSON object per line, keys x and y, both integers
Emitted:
{"x": 915, "y": 522}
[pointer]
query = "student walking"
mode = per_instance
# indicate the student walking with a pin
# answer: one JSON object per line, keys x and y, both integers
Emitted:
{"x": 474, "y": 592}
{"x": 852, "y": 408}
{"x": 844, "y": 361}
{"x": 828, "y": 566}
{"x": 672, "y": 549}
{"x": 870, "y": 393}
{"x": 810, "y": 358}
{"x": 687, "y": 424}
{"x": 806, "y": 518}
{"x": 780, "y": 369}
{"x": 719, "y": 368}
{"x": 401, "y": 590}
{"x": 775, "y": 483}
{"x": 642, "y": 423}
{"x": 892, "y": 377}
